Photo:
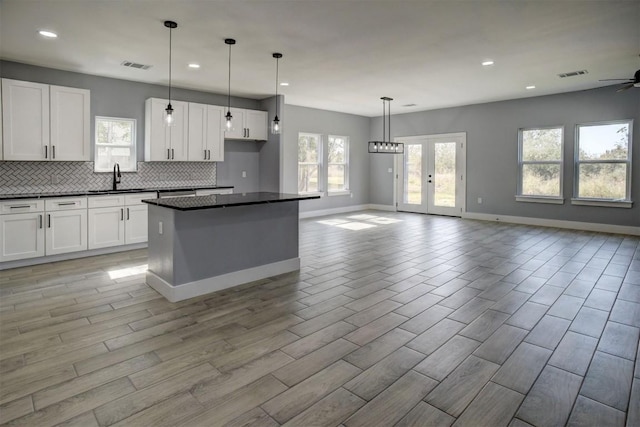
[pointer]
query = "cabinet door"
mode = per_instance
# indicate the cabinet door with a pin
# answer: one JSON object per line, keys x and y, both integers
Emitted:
{"x": 179, "y": 132}
{"x": 25, "y": 120}
{"x": 197, "y": 132}
{"x": 136, "y": 224}
{"x": 106, "y": 227}
{"x": 21, "y": 236}
{"x": 156, "y": 139}
{"x": 238, "y": 130}
{"x": 66, "y": 231}
{"x": 70, "y": 125}
{"x": 215, "y": 133}
{"x": 256, "y": 123}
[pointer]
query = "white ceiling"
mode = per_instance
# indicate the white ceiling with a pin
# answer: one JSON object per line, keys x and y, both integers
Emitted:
{"x": 340, "y": 55}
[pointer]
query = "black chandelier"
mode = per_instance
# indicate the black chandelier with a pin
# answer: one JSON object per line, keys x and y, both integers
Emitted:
{"x": 386, "y": 146}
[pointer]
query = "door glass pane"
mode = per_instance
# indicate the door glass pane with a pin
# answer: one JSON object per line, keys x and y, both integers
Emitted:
{"x": 413, "y": 174}
{"x": 603, "y": 180}
{"x": 444, "y": 176}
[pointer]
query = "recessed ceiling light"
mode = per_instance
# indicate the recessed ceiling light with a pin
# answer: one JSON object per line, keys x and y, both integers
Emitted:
{"x": 530, "y": 87}
{"x": 284, "y": 84}
{"x": 49, "y": 34}
{"x": 488, "y": 63}
{"x": 193, "y": 65}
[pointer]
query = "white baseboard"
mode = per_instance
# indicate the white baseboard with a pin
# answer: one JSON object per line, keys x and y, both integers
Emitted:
{"x": 218, "y": 283}
{"x": 556, "y": 223}
{"x": 345, "y": 209}
{"x": 71, "y": 255}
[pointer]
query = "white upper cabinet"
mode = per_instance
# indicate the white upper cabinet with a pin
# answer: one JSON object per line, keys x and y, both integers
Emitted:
{"x": 42, "y": 122}
{"x": 250, "y": 125}
{"x": 70, "y": 124}
{"x": 166, "y": 143}
{"x": 206, "y": 137}
{"x": 25, "y": 120}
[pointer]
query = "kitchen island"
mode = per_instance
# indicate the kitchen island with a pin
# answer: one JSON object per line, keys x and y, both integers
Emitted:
{"x": 203, "y": 244}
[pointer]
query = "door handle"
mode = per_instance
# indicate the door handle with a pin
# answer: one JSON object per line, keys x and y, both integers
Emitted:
{"x": 168, "y": 154}
{"x": 248, "y": 132}
{"x": 48, "y": 220}
{"x": 121, "y": 214}
{"x": 172, "y": 154}
{"x": 40, "y": 220}
{"x": 205, "y": 154}
{"x": 127, "y": 214}
{"x": 208, "y": 154}
{"x": 67, "y": 204}
{"x": 53, "y": 151}
{"x": 19, "y": 207}
{"x": 46, "y": 152}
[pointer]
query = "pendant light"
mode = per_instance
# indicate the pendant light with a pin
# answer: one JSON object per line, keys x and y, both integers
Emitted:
{"x": 386, "y": 146}
{"x": 169, "y": 120}
{"x": 228, "y": 116}
{"x": 276, "y": 127}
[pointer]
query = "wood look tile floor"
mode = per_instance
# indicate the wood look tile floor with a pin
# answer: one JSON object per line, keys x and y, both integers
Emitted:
{"x": 393, "y": 319}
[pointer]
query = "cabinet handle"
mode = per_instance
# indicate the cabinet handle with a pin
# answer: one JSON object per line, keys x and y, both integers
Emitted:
{"x": 48, "y": 221}
{"x": 127, "y": 214}
{"x": 248, "y": 132}
{"x": 209, "y": 151}
{"x": 121, "y": 214}
{"x": 205, "y": 154}
{"x": 46, "y": 152}
{"x": 40, "y": 220}
{"x": 20, "y": 207}
{"x": 67, "y": 204}
{"x": 172, "y": 154}
{"x": 53, "y": 151}
{"x": 168, "y": 154}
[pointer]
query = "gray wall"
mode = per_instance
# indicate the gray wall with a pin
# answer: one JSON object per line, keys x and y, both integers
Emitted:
{"x": 302, "y": 119}
{"x": 123, "y": 98}
{"x": 270, "y": 150}
{"x": 492, "y": 150}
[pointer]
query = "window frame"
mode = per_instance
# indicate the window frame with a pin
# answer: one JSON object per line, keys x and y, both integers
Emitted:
{"x": 593, "y": 201}
{"x": 538, "y": 198}
{"x": 133, "y": 146}
{"x": 319, "y": 162}
{"x": 346, "y": 188}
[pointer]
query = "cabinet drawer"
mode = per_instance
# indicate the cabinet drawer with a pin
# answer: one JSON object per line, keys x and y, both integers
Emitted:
{"x": 65, "y": 203}
{"x": 106, "y": 201}
{"x": 135, "y": 199}
{"x": 21, "y": 206}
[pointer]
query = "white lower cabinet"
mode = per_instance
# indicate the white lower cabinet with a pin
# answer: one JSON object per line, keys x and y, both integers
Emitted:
{"x": 136, "y": 228}
{"x": 66, "y": 231}
{"x": 21, "y": 236}
{"x": 106, "y": 227}
{"x": 118, "y": 220}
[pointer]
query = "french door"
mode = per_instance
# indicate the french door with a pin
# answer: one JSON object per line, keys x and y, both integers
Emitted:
{"x": 431, "y": 174}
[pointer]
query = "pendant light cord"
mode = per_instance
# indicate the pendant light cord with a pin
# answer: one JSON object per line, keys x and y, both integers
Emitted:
{"x": 384, "y": 120}
{"x": 277, "y": 70}
{"x": 229, "y": 83}
{"x": 170, "y": 31}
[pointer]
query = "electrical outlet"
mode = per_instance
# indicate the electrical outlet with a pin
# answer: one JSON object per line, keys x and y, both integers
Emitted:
{"x": 390, "y": 170}
{"x": 479, "y": 200}
{"x": 244, "y": 174}
{"x": 160, "y": 230}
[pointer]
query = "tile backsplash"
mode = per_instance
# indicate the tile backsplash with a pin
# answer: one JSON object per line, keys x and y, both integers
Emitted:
{"x": 59, "y": 177}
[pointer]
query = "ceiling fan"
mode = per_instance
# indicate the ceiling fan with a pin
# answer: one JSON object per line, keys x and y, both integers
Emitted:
{"x": 627, "y": 83}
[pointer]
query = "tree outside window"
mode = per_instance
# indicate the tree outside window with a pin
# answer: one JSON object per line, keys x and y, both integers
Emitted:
{"x": 540, "y": 162}
{"x": 603, "y": 161}
{"x": 338, "y": 164}
{"x": 309, "y": 162}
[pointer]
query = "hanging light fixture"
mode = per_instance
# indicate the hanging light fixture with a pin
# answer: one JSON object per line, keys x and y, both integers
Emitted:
{"x": 276, "y": 127}
{"x": 386, "y": 146}
{"x": 228, "y": 116}
{"x": 169, "y": 120}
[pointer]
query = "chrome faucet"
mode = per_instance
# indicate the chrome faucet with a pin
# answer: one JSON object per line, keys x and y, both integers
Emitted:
{"x": 116, "y": 176}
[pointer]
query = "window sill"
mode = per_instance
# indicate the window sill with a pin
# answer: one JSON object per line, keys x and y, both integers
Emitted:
{"x": 627, "y": 204}
{"x": 313, "y": 193}
{"x": 339, "y": 193}
{"x": 540, "y": 199}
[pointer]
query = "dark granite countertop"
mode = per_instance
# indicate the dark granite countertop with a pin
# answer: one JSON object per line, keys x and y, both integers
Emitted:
{"x": 100, "y": 192}
{"x": 225, "y": 200}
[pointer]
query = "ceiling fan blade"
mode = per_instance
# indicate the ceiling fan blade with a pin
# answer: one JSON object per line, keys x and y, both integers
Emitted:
{"x": 613, "y": 80}
{"x": 625, "y": 87}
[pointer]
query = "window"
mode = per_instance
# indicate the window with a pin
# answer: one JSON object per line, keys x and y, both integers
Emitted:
{"x": 309, "y": 162}
{"x": 338, "y": 164}
{"x": 540, "y": 163}
{"x": 603, "y": 161}
{"x": 115, "y": 142}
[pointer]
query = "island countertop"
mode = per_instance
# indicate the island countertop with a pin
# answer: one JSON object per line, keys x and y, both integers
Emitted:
{"x": 226, "y": 200}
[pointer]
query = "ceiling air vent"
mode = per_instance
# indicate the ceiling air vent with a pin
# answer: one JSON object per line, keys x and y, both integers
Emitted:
{"x": 135, "y": 65}
{"x": 409, "y": 105}
{"x": 573, "y": 74}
